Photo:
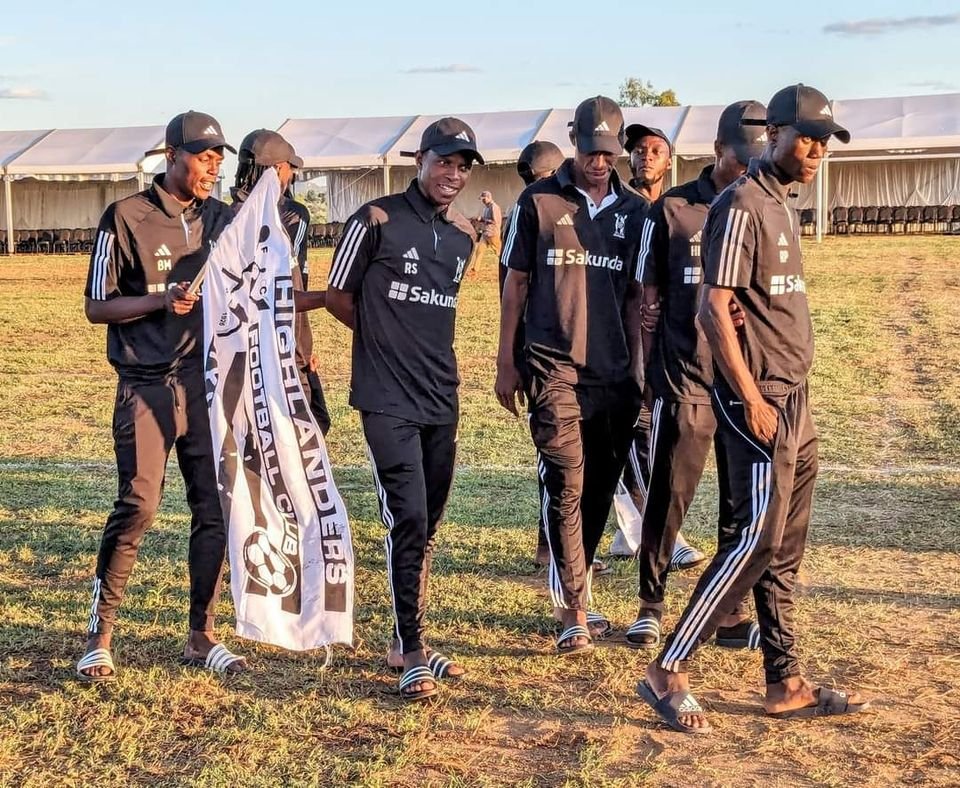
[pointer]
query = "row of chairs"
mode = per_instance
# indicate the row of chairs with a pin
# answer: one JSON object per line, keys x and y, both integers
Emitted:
{"x": 48, "y": 241}
{"x": 325, "y": 234}
{"x": 873, "y": 219}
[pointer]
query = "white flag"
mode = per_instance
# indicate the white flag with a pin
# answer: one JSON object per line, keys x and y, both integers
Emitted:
{"x": 291, "y": 557}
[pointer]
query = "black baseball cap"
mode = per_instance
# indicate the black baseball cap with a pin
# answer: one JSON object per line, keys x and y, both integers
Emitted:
{"x": 538, "y": 158}
{"x": 737, "y": 128}
{"x": 807, "y": 110}
{"x": 597, "y": 126}
{"x": 637, "y": 131}
{"x": 446, "y": 136}
{"x": 267, "y": 148}
{"x": 195, "y": 132}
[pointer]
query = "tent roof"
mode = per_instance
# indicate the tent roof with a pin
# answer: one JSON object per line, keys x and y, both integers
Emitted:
{"x": 344, "y": 142}
{"x": 901, "y": 124}
{"x": 501, "y": 135}
{"x": 87, "y": 152}
{"x": 699, "y": 131}
{"x": 13, "y": 143}
{"x": 883, "y": 126}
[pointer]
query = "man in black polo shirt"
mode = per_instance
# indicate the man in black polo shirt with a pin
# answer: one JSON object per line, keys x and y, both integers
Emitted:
{"x": 680, "y": 371}
{"x": 149, "y": 247}
{"x": 651, "y": 157}
{"x": 395, "y": 280}
{"x": 260, "y": 150}
{"x": 752, "y": 254}
{"x": 571, "y": 251}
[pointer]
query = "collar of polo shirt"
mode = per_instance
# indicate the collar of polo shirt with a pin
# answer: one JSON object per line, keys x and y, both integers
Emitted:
{"x": 170, "y": 204}
{"x": 764, "y": 171}
{"x": 564, "y": 177}
{"x": 425, "y": 209}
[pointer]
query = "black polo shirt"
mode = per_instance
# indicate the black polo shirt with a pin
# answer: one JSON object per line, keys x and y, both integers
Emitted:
{"x": 580, "y": 269}
{"x": 752, "y": 244}
{"x": 680, "y": 368}
{"x": 404, "y": 260}
{"x": 295, "y": 219}
{"x": 144, "y": 243}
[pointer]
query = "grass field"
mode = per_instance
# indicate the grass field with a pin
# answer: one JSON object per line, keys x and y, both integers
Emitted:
{"x": 879, "y": 608}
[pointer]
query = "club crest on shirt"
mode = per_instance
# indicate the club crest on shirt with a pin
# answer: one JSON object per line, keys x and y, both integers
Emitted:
{"x": 619, "y": 225}
{"x": 461, "y": 264}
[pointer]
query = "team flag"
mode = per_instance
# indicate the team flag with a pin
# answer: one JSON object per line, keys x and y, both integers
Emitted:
{"x": 291, "y": 556}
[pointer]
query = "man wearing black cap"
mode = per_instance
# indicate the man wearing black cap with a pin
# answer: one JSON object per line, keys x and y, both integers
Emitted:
{"x": 260, "y": 150}
{"x": 752, "y": 254}
{"x": 571, "y": 251}
{"x": 651, "y": 157}
{"x": 149, "y": 247}
{"x": 680, "y": 371}
{"x": 395, "y": 280}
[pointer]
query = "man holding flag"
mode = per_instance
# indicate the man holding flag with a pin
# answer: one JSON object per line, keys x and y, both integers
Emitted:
{"x": 148, "y": 247}
{"x": 394, "y": 281}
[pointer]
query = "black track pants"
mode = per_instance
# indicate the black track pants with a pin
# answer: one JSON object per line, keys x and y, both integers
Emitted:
{"x": 413, "y": 467}
{"x": 149, "y": 419}
{"x": 772, "y": 494}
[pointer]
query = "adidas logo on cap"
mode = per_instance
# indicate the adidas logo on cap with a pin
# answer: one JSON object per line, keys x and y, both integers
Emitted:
{"x": 411, "y": 254}
{"x": 162, "y": 251}
{"x": 211, "y": 130}
{"x": 826, "y": 111}
{"x": 463, "y": 136}
{"x": 602, "y": 127}
{"x": 565, "y": 221}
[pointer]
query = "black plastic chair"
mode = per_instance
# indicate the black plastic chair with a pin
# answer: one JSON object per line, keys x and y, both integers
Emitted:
{"x": 929, "y": 219}
{"x": 943, "y": 218}
{"x": 913, "y": 219}
{"x": 839, "y": 223}
{"x": 871, "y": 216}
{"x": 885, "y": 219}
{"x": 898, "y": 225}
{"x": 855, "y": 219}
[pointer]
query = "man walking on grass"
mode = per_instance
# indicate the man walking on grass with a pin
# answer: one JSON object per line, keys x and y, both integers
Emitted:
{"x": 760, "y": 399}
{"x": 680, "y": 372}
{"x": 571, "y": 252}
{"x": 395, "y": 280}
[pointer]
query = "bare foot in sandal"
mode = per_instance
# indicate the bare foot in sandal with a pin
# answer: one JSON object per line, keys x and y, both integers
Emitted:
{"x": 197, "y": 652}
{"x": 437, "y": 662}
{"x": 664, "y": 684}
{"x": 100, "y": 670}
{"x": 796, "y": 697}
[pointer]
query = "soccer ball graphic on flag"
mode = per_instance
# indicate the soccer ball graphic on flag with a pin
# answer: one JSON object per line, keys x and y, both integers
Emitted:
{"x": 267, "y": 566}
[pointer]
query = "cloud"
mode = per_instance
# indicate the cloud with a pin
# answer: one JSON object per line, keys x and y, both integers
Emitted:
{"x": 22, "y": 93}
{"x": 6, "y": 41}
{"x": 934, "y": 84}
{"x": 876, "y": 27}
{"x": 452, "y": 68}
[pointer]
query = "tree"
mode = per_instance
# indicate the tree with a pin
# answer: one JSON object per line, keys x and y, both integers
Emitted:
{"x": 316, "y": 202}
{"x": 637, "y": 93}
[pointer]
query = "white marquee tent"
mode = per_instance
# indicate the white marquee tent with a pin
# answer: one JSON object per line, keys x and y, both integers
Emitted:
{"x": 905, "y": 151}
{"x": 64, "y": 178}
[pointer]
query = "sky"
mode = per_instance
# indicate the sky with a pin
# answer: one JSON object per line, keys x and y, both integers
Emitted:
{"x": 75, "y": 65}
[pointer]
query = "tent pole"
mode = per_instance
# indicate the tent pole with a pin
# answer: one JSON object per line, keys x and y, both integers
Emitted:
{"x": 8, "y": 210}
{"x": 673, "y": 170}
{"x": 139, "y": 179}
{"x": 386, "y": 179}
{"x": 819, "y": 198}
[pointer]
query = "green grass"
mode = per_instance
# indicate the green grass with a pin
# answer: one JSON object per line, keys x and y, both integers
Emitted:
{"x": 879, "y": 605}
